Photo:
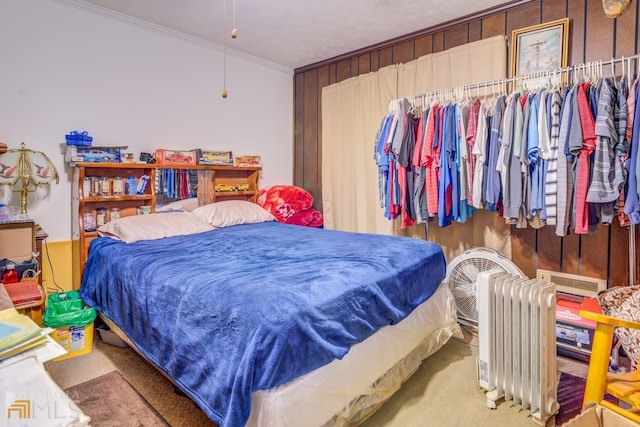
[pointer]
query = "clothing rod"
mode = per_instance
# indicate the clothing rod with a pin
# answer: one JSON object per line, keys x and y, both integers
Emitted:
{"x": 508, "y": 80}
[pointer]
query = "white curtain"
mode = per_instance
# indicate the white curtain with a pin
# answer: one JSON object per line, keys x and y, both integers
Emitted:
{"x": 351, "y": 114}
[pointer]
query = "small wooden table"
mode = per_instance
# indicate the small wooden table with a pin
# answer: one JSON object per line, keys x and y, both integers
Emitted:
{"x": 19, "y": 240}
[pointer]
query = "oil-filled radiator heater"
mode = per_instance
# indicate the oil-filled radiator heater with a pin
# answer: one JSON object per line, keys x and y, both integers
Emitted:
{"x": 517, "y": 343}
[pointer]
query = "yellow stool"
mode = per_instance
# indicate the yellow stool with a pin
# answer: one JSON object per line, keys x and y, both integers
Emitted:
{"x": 625, "y": 387}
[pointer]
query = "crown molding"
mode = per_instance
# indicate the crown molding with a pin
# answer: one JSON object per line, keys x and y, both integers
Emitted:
{"x": 149, "y": 26}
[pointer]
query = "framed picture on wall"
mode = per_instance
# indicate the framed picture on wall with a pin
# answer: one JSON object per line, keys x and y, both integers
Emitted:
{"x": 540, "y": 48}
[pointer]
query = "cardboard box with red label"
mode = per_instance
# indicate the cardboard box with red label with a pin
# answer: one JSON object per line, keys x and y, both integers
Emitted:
{"x": 574, "y": 335}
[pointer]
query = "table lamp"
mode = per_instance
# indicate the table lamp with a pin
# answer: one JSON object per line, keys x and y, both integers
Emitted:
{"x": 23, "y": 170}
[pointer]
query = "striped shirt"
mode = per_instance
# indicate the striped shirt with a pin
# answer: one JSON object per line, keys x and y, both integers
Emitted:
{"x": 606, "y": 177}
{"x": 582, "y": 173}
{"x": 551, "y": 177}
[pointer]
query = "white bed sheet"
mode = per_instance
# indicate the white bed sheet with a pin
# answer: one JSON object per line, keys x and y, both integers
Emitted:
{"x": 347, "y": 391}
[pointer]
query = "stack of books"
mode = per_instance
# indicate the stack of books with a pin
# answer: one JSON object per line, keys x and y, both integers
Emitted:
{"x": 21, "y": 337}
{"x": 24, "y": 292}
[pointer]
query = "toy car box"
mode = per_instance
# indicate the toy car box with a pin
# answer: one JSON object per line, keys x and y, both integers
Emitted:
{"x": 93, "y": 154}
{"x": 176, "y": 157}
{"x": 221, "y": 158}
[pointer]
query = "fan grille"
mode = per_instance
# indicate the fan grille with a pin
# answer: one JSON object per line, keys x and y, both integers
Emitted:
{"x": 462, "y": 281}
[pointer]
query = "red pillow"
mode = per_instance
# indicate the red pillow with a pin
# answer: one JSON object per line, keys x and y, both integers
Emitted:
{"x": 310, "y": 218}
{"x": 283, "y": 201}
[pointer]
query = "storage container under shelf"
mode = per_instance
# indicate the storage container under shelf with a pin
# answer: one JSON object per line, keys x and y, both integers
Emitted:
{"x": 108, "y": 336}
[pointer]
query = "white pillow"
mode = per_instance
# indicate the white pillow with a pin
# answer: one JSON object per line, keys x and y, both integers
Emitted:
{"x": 133, "y": 228}
{"x": 186, "y": 205}
{"x": 232, "y": 212}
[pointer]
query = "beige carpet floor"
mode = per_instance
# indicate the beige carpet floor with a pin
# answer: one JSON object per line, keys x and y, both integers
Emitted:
{"x": 443, "y": 392}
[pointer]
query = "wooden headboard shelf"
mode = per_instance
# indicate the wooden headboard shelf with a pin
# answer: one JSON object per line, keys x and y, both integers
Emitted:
{"x": 235, "y": 183}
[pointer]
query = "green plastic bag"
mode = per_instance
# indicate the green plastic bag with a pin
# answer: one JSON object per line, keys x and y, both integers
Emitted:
{"x": 67, "y": 309}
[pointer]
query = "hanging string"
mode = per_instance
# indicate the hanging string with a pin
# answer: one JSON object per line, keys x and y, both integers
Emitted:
{"x": 224, "y": 50}
{"x": 234, "y": 32}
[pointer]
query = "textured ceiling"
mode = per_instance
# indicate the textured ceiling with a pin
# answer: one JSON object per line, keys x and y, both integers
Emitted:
{"x": 295, "y": 33}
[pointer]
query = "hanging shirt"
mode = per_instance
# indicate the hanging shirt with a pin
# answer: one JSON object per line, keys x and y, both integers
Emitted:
{"x": 382, "y": 160}
{"x": 573, "y": 147}
{"x": 445, "y": 185}
{"x": 606, "y": 177}
{"x": 512, "y": 190}
{"x": 538, "y": 153}
{"x": 431, "y": 159}
{"x": 551, "y": 176}
{"x": 462, "y": 160}
{"x": 494, "y": 188}
{"x": 419, "y": 195}
{"x": 472, "y": 128}
{"x": 508, "y": 123}
{"x": 532, "y": 155}
{"x": 564, "y": 167}
{"x": 623, "y": 219}
{"x": 405, "y": 169}
{"x": 582, "y": 173}
{"x": 544, "y": 152}
{"x": 631, "y": 199}
{"x": 479, "y": 152}
{"x": 454, "y": 161}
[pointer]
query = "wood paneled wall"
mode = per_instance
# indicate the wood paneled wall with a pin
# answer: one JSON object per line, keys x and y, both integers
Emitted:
{"x": 593, "y": 36}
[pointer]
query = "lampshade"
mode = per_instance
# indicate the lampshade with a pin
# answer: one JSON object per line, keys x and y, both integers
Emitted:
{"x": 23, "y": 170}
{"x": 615, "y": 8}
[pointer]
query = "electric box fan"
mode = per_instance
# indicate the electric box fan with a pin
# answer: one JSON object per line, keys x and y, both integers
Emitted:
{"x": 462, "y": 273}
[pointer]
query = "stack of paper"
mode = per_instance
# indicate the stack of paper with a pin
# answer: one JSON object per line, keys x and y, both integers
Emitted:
{"x": 30, "y": 398}
{"x": 21, "y": 337}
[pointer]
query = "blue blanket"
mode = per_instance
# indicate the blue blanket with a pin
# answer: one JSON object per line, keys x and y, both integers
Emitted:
{"x": 249, "y": 307}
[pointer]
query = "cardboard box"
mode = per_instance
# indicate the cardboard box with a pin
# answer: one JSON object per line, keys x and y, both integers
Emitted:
{"x": 598, "y": 416}
{"x": 574, "y": 335}
{"x": 176, "y": 157}
{"x": 94, "y": 154}
{"x": 248, "y": 161}
{"x": 221, "y": 158}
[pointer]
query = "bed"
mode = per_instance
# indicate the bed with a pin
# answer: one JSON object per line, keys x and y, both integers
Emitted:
{"x": 264, "y": 323}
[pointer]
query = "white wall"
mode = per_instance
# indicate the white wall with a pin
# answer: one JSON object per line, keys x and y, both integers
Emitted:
{"x": 64, "y": 68}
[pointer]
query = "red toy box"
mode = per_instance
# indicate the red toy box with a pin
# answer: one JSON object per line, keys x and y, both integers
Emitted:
{"x": 176, "y": 157}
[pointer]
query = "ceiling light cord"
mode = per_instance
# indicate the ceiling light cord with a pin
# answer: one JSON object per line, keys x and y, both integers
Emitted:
{"x": 234, "y": 32}
{"x": 224, "y": 50}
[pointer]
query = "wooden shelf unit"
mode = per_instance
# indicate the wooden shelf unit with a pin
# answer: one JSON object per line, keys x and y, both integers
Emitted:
{"x": 127, "y": 204}
{"x": 208, "y": 177}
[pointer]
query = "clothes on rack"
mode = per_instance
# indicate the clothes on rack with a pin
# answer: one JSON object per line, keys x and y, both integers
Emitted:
{"x": 558, "y": 155}
{"x": 176, "y": 184}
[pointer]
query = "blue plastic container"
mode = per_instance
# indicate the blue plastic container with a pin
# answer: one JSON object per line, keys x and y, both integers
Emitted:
{"x": 81, "y": 139}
